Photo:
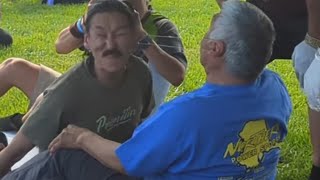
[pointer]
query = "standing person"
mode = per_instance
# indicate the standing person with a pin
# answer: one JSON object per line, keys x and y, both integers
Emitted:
{"x": 306, "y": 58}
{"x": 290, "y": 24}
{"x": 230, "y": 128}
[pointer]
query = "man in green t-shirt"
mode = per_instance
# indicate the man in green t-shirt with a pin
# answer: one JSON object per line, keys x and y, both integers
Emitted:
{"x": 108, "y": 93}
{"x": 165, "y": 58}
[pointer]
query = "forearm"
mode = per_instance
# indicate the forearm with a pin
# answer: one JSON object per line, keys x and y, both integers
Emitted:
{"x": 313, "y": 18}
{"x": 66, "y": 42}
{"x": 16, "y": 150}
{"x": 101, "y": 149}
{"x": 168, "y": 66}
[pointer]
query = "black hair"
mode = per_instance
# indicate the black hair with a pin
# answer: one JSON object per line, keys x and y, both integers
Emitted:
{"x": 102, "y": 6}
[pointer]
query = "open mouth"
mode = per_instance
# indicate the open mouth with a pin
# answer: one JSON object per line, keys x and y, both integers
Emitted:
{"x": 112, "y": 52}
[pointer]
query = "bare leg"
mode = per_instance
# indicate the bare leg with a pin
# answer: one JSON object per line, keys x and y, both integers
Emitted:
{"x": 314, "y": 122}
{"x": 20, "y": 73}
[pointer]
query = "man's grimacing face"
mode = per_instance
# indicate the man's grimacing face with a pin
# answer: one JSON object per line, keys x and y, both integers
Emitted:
{"x": 111, "y": 40}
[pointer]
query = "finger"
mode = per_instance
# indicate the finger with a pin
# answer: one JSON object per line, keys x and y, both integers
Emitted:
{"x": 55, "y": 140}
{"x": 55, "y": 147}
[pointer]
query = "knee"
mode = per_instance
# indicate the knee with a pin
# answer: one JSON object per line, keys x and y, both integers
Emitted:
{"x": 15, "y": 64}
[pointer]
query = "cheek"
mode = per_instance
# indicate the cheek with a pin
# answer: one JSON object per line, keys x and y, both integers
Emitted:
{"x": 96, "y": 43}
{"x": 126, "y": 42}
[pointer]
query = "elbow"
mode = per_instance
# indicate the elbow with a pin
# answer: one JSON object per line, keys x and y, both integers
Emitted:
{"x": 60, "y": 48}
{"x": 177, "y": 81}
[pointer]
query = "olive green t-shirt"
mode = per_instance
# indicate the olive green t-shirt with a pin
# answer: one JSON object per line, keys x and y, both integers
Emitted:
{"x": 78, "y": 98}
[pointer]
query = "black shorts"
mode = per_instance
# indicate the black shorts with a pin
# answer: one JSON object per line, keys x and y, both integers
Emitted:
{"x": 290, "y": 19}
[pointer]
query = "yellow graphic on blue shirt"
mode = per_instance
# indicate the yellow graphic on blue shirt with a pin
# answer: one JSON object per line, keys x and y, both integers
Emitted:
{"x": 255, "y": 140}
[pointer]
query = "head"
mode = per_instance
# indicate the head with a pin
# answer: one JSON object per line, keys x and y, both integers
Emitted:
{"x": 110, "y": 34}
{"x": 239, "y": 41}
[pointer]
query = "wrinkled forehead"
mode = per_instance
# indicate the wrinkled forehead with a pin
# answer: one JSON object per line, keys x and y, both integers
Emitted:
{"x": 110, "y": 21}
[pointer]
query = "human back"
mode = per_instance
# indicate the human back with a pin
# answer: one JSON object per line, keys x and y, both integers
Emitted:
{"x": 231, "y": 127}
{"x": 232, "y": 131}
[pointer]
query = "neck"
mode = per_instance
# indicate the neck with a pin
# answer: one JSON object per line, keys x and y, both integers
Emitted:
{"x": 220, "y": 77}
{"x": 109, "y": 79}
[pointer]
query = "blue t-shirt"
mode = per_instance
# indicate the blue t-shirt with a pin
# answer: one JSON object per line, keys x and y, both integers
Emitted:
{"x": 215, "y": 132}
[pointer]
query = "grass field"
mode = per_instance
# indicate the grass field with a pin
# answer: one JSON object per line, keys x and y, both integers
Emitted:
{"x": 35, "y": 28}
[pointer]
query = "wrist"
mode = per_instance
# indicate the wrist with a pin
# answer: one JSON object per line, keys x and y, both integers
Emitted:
{"x": 77, "y": 29}
{"x": 83, "y": 138}
{"x": 145, "y": 43}
{"x": 312, "y": 41}
{"x": 80, "y": 25}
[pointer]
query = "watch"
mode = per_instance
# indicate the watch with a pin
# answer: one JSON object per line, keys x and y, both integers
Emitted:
{"x": 145, "y": 42}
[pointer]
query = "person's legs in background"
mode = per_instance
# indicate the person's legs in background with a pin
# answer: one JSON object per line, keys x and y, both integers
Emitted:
{"x": 19, "y": 73}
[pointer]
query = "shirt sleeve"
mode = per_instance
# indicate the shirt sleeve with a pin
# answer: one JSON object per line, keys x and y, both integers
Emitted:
{"x": 169, "y": 40}
{"x": 42, "y": 124}
{"x": 155, "y": 144}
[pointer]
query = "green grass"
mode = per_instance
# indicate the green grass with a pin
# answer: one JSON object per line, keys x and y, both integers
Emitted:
{"x": 35, "y": 28}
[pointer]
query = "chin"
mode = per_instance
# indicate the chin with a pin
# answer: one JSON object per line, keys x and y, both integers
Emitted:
{"x": 114, "y": 69}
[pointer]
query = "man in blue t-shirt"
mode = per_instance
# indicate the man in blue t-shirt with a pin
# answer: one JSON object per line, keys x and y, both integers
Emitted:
{"x": 230, "y": 128}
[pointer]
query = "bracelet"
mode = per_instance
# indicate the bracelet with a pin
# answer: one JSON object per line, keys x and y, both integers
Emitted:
{"x": 144, "y": 43}
{"x": 311, "y": 41}
{"x": 75, "y": 32}
{"x": 79, "y": 26}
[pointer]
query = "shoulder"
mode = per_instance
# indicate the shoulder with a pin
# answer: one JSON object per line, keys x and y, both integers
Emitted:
{"x": 161, "y": 23}
{"x": 139, "y": 67}
{"x": 188, "y": 102}
{"x": 165, "y": 26}
{"x": 67, "y": 81}
{"x": 270, "y": 76}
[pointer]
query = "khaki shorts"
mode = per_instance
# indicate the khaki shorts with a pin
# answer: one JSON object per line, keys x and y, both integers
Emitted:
{"x": 306, "y": 61}
{"x": 45, "y": 78}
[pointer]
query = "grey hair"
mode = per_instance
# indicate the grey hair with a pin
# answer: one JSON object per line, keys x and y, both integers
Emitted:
{"x": 248, "y": 34}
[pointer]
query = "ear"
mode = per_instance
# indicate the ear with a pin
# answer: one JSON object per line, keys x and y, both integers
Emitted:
{"x": 217, "y": 47}
{"x": 85, "y": 41}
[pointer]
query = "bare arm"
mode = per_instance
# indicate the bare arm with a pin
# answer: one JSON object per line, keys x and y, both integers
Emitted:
{"x": 80, "y": 138}
{"x": 16, "y": 150}
{"x": 101, "y": 149}
{"x": 168, "y": 66}
{"x": 19, "y": 146}
{"x": 313, "y": 18}
{"x": 66, "y": 42}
